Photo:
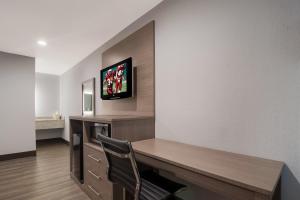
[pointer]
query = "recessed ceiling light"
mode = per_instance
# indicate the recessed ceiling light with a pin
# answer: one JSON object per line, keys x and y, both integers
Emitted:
{"x": 42, "y": 43}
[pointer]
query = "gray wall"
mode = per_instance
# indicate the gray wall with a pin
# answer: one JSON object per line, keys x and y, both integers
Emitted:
{"x": 227, "y": 77}
{"x": 47, "y": 102}
{"x": 17, "y": 77}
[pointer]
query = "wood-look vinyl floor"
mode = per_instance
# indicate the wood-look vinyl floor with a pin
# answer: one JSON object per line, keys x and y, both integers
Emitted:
{"x": 44, "y": 177}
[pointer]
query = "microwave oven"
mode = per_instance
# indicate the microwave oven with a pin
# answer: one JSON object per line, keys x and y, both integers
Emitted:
{"x": 99, "y": 129}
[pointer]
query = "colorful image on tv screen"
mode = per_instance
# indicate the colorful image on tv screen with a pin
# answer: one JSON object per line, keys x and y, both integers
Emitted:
{"x": 115, "y": 80}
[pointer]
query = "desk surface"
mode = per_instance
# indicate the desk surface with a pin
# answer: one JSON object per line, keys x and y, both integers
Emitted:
{"x": 110, "y": 118}
{"x": 255, "y": 174}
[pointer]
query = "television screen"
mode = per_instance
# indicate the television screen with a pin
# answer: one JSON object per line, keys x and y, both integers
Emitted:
{"x": 116, "y": 80}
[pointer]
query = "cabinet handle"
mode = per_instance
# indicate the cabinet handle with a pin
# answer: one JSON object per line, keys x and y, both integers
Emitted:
{"x": 95, "y": 192}
{"x": 97, "y": 177}
{"x": 95, "y": 159}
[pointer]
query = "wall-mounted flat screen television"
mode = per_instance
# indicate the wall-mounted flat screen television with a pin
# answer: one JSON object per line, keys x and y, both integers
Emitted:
{"x": 116, "y": 80}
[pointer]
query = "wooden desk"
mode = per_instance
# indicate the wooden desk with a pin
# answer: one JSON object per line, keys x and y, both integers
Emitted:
{"x": 124, "y": 127}
{"x": 235, "y": 176}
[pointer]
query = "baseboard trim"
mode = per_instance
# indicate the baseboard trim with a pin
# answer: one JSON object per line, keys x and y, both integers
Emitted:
{"x": 65, "y": 141}
{"x": 52, "y": 140}
{"x": 17, "y": 155}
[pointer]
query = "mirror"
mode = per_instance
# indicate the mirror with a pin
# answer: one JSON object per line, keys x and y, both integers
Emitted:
{"x": 88, "y": 97}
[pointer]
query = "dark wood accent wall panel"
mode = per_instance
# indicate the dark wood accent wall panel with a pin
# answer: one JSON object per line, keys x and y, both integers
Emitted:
{"x": 134, "y": 130}
{"x": 139, "y": 46}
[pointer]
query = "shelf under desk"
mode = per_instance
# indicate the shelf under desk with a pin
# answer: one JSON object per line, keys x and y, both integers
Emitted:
{"x": 235, "y": 176}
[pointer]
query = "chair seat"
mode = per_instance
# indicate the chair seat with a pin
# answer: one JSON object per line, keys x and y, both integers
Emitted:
{"x": 150, "y": 191}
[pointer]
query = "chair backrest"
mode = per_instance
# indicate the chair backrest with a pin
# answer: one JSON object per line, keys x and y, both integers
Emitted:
{"x": 122, "y": 167}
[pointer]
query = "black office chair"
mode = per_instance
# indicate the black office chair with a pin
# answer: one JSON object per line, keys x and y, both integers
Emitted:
{"x": 123, "y": 170}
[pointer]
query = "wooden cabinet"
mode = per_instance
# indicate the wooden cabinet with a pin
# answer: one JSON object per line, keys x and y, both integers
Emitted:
{"x": 131, "y": 128}
{"x": 96, "y": 183}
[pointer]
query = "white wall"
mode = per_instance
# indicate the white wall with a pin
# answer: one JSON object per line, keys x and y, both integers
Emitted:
{"x": 17, "y": 131}
{"x": 237, "y": 67}
{"x": 47, "y": 102}
{"x": 46, "y": 94}
{"x": 70, "y": 88}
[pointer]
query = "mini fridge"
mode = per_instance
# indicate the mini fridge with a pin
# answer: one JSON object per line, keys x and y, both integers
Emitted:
{"x": 77, "y": 157}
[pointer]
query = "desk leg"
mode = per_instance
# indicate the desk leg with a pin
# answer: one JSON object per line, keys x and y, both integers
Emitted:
{"x": 259, "y": 196}
{"x": 276, "y": 196}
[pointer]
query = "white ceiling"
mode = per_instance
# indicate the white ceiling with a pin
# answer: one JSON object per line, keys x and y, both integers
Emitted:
{"x": 72, "y": 28}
